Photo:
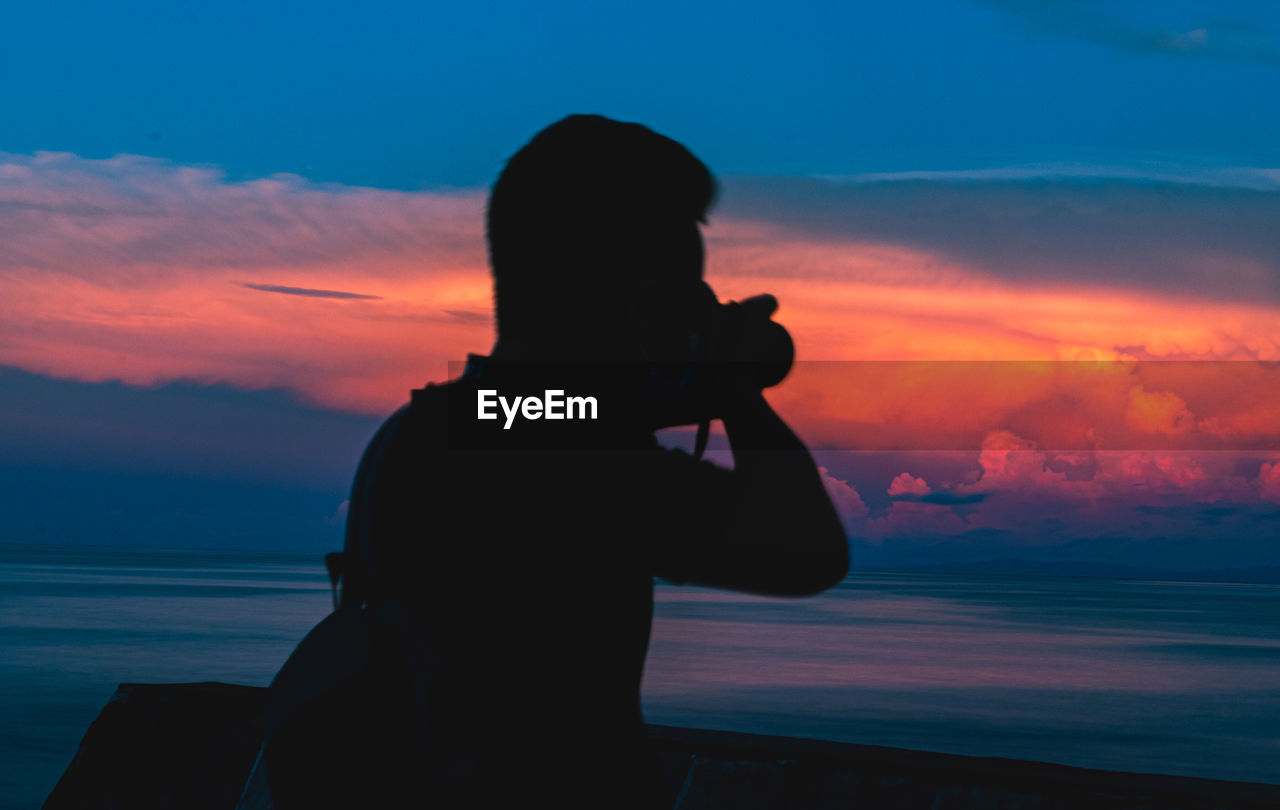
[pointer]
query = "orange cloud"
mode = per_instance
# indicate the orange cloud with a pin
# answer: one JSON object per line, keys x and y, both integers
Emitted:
{"x": 138, "y": 270}
{"x": 144, "y": 271}
{"x": 1157, "y": 412}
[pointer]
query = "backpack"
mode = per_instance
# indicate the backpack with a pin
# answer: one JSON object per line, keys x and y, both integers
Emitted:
{"x": 347, "y": 719}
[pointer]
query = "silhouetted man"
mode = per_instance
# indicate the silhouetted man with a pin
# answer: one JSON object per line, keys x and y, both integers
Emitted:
{"x": 497, "y": 586}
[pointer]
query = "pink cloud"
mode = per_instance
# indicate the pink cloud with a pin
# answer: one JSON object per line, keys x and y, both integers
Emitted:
{"x": 848, "y": 503}
{"x": 907, "y": 484}
{"x": 1269, "y": 481}
{"x": 141, "y": 270}
{"x": 1008, "y": 461}
{"x": 145, "y": 271}
{"x": 913, "y": 518}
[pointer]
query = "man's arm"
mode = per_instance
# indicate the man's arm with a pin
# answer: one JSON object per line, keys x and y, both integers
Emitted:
{"x": 766, "y": 527}
{"x": 783, "y": 537}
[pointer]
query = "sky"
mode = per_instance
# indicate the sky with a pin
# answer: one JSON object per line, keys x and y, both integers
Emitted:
{"x": 233, "y": 236}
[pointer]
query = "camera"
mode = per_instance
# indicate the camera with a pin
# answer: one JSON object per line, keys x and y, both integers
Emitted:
{"x": 742, "y": 338}
{"x": 702, "y": 350}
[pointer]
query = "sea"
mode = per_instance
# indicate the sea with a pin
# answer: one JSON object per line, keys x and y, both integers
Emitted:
{"x": 1132, "y": 675}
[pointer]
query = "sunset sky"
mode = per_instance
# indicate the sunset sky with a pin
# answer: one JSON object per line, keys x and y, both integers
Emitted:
{"x": 233, "y": 238}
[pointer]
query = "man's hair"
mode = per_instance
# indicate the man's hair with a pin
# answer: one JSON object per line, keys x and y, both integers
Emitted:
{"x": 583, "y": 208}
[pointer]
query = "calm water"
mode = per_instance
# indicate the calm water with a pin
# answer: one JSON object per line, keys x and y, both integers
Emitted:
{"x": 1149, "y": 676}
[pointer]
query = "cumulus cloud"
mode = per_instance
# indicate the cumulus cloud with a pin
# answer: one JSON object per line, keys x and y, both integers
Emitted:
{"x": 1158, "y": 412}
{"x": 1056, "y": 405}
{"x": 907, "y": 484}
{"x": 1035, "y": 497}
{"x": 914, "y": 519}
{"x": 844, "y": 497}
{"x": 1269, "y": 481}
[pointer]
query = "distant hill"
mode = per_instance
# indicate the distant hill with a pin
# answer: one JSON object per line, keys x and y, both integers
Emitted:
{"x": 1072, "y": 568}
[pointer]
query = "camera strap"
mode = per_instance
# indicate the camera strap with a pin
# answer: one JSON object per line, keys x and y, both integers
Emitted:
{"x": 700, "y": 442}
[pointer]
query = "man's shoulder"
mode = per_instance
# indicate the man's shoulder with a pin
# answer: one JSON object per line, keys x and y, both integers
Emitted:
{"x": 433, "y": 396}
{"x": 414, "y": 422}
{"x": 427, "y": 413}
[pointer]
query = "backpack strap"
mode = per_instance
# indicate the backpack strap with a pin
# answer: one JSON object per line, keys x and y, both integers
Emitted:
{"x": 337, "y": 564}
{"x": 352, "y": 574}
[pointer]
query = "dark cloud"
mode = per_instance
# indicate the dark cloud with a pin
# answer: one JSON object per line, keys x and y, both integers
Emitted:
{"x": 1212, "y": 241}
{"x": 468, "y": 316}
{"x": 947, "y": 498}
{"x": 179, "y": 465}
{"x": 129, "y": 509}
{"x": 182, "y": 428}
{"x": 1204, "y": 34}
{"x": 310, "y": 293}
{"x": 1190, "y": 544}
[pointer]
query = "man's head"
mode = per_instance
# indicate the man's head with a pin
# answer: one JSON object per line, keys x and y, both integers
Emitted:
{"x": 591, "y": 215}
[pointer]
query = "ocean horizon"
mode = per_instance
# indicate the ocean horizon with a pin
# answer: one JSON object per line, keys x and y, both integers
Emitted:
{"x": 1172, "y": 677}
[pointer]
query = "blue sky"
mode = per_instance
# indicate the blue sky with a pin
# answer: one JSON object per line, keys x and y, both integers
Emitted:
{"x": 411, "y": 95}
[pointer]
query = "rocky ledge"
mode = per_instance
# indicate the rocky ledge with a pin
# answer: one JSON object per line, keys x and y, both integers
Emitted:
{"x": 193, "y": 746}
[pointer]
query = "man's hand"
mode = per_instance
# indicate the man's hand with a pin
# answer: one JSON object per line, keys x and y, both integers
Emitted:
{"x": 784, "y": 537}
{"x": 746, "y": 350}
